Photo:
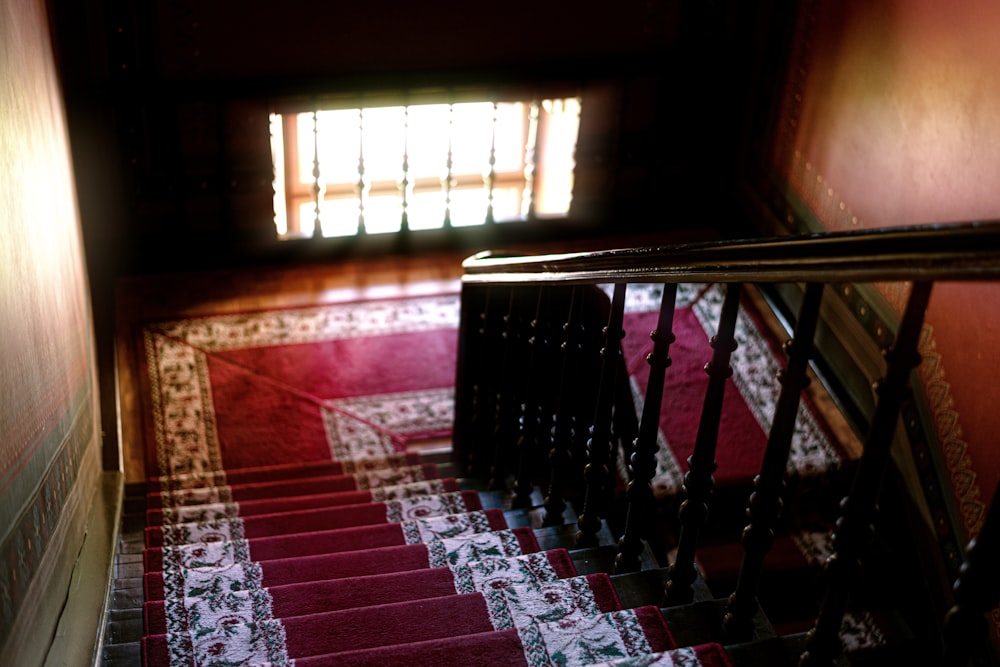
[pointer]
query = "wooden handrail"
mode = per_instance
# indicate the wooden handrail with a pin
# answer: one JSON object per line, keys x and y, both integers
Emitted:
{"x": 961, "y": 251}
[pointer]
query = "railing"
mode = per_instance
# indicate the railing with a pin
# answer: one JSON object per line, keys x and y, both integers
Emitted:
{"x": 539, "y": 383}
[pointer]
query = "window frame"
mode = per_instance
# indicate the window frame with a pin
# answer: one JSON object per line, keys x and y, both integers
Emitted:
{"x": 525, "y": 181}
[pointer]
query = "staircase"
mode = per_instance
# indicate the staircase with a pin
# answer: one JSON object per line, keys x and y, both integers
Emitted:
{"x": 539, "y": 540}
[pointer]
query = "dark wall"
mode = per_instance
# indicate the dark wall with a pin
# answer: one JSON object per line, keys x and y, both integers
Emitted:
{"x": 167, "y": 104}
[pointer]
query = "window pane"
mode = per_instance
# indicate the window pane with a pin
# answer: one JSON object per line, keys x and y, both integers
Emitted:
{"x": 383, "y": 213}
{"x": 339, "y": 136}
{"x": 427, "y": 141}
{"x": 383, "y": 143}
{"x": 471, "y": 137}
{"x": 340, "y": 217}
{"x": 507, "y": 203}
{"x": 510, "y": 136}
{"x": 468, "y": 207}
{"x": 425, "y": 210}
{"x": 556, "y": 163}
{"x": 307, "y": 218}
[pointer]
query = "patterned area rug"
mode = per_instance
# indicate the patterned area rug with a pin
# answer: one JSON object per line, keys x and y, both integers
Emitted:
{"x": 324, "y": 383}
{"x": 364, "y": 379}
{"x": 751, "y": 392}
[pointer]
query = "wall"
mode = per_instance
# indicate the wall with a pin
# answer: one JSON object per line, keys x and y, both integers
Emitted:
{"x": 167, "y": 105}
{"x": 174, "y": 95}
{"x": 49, "y": 422}
{"x": 891, "y": 117}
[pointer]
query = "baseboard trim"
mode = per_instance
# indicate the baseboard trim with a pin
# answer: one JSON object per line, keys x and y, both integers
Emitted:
{"x": 79, "y": 636}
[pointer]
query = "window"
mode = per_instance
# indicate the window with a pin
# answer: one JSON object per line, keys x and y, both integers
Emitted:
{"x": 380, "y": 169}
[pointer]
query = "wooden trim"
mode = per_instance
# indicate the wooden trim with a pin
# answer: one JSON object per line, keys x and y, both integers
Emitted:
{"x": 966, "y": 251}
{"x": 57, "y": 578}
{"x": 79, "y": 636}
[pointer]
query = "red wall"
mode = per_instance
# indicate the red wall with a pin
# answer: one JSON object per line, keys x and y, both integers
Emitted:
{"x": 49, "y": 422}
{"x": 892, "y": 117}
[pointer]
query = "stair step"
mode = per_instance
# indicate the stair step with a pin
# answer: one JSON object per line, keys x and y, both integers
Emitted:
{"x": 600, "y": 559}
{"x": 127, "y": 598}
{"x": 701, "y": 622}
{"x": 125, "y": 571}
{"x": 124, "y": 614}
{"x": 123, "y": 655}
{"x": 770, "y": 652}
{"x": 127, "y": 583}
{"x": 132, "y": 544}
{"x": 133, "y": 523}
{"x": 134, "y": 505}
{"x": 125, "y": 631}
{"x": 501, "y": 498}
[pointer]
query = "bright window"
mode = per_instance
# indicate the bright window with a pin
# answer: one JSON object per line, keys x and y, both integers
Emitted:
{"x": 427, "y": 166}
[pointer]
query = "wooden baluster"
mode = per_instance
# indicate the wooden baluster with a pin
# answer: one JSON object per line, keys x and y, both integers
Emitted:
{"x": 563, "y": 422}
{"x": 404, "y": 183}
{"x": 529, "y": 194}
{"x": 977, "y": 591}
{"x": 699, "y": 481}
{"x": 597, "y": 472}
{"x": 530, "y": 419}
{"x": 361, "y": 172}
{"x": 643, "y": 462}
{"x": 448, "y": 164}
{"x": 504, "y": 432}
{"x": 317, "y": 184}
{"x": 480, "y": 404}
{"x": 854, "y": 531}
{"x": 491, "y": 172}
{"x": 766, "y": 500}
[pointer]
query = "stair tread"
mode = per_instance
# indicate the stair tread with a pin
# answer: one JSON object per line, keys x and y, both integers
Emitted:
{"x": 770, "y": 652}
{"x": 127, "y": 598}
{"x": 123, "y": 655}
{"x": 702, "y": 622}
{"x": 124, "y": 631}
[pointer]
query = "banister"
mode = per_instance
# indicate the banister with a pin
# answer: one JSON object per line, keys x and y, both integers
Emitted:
{"x": 922, "y": 255}
{"x": 959, "y": 251}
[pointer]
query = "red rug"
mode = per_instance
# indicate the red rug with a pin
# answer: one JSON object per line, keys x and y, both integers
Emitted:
{"x": 334, "y": 382}
{"x": 362, "y": 380}
{"x": 287, "y": 525}
{"x": 751, "y": 392}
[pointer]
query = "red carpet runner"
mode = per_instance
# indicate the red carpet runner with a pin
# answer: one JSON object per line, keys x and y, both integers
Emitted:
{"x": 416, "y": 577}
{"x": 356, "y": 554}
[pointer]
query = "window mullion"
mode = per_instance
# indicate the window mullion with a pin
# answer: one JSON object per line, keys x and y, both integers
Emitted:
{"x": 290, "y": 132}
{"x": 530, "y": 157}
{"x": 448, "y": 182}
{"x": 317, "y": 183}
{"x": 491, "y": 166}
{"x": 361, "y": 172}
